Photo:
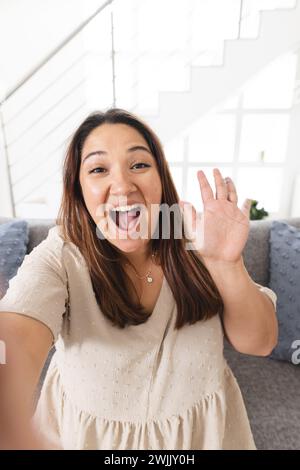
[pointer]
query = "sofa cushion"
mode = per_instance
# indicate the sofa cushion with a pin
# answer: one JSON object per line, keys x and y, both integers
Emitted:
{"x": 285, "y": 281}
{"x": 256, "y": 252}
{"x": 13, "y": 245}
{"x": 271, "y": 393}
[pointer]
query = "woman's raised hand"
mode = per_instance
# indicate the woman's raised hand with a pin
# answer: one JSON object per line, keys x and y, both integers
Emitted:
{"x": 221, "y": 231}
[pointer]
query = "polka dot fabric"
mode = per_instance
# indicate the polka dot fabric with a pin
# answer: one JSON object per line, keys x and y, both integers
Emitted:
{"x": 285, "y": 281}
{"x": 146, "y": 386}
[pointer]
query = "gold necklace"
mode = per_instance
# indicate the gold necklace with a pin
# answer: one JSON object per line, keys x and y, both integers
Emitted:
{"x": 148, "y": 276}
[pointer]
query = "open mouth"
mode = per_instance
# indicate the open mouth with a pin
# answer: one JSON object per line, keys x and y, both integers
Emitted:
{"x": 126, "y": 218}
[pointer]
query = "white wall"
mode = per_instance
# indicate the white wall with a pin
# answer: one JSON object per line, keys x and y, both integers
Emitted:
{"x": 6, "y": 209}
{"x": 291, "y": 194}
{"x": 30, "y": 29}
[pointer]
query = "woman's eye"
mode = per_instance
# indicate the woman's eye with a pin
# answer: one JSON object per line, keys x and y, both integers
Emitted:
{"x": 97, "y": 170}
{"x": 145, "y": 165}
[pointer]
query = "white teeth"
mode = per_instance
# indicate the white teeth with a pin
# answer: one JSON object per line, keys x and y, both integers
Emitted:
{"x": 125, "y": 208}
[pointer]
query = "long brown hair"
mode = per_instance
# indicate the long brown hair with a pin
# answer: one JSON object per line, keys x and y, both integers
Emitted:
{"x": 195, "y": 293}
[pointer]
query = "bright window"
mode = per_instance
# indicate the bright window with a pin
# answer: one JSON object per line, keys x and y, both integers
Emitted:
{"x": 264, "y": 138}
{"x": 247, "y": 138}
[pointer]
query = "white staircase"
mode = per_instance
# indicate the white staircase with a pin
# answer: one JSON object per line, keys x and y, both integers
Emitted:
{"x": 279, "y": 33}
{"x": 40, "y": 117}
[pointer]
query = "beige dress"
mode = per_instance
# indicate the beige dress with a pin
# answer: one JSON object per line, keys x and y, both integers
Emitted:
{"x": 144, "y": 387}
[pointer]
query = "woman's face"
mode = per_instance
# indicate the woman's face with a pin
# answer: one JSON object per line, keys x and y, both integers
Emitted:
{"x": 121, "y": 185}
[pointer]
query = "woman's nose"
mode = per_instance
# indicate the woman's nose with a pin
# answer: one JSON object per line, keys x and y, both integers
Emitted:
{"x": 121, "y": 184}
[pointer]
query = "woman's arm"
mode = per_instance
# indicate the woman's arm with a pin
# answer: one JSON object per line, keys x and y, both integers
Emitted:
{"x": 27, "y": 343}
{"x": 220, "y": 236}
{"x": 249, "y": 320}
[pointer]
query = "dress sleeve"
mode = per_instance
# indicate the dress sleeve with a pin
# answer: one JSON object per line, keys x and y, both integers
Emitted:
{"x": 39, "y": 289}
{"x": 269, "y": 292}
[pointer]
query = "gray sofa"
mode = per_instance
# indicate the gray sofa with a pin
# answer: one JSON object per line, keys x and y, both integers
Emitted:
{"x": 270, "y": 388}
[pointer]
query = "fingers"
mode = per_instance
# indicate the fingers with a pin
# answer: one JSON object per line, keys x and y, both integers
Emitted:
{"x": 225, "y": 188}
{"x": 206, "y": 191}
{"x": 221, "y": 187}
{"x": 231, "y": 191}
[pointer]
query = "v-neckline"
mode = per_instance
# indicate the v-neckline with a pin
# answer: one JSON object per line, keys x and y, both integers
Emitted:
{"x": 157, "y": 313}
{"x": 159, "y": 296}
{"x": 160, "y": 313}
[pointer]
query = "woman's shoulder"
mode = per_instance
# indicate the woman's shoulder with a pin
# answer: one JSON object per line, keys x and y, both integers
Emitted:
{"x": 63, "y": 250}
{"x": 53, "y": 255}
{"x": 54, "y": 242}
{"x": 52, "y": 245}
{"x": 49, "y": 252}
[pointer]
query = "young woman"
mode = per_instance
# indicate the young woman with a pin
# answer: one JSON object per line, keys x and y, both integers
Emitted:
{"x": 136, "y": 316}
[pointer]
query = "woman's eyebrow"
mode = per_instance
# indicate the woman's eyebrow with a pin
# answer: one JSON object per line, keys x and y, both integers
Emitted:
{"x": 138, "y": 147}
{"x": 130, "y": 150}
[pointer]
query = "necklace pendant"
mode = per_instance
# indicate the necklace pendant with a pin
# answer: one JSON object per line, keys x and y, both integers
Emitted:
{"x": 149, "y": 279}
